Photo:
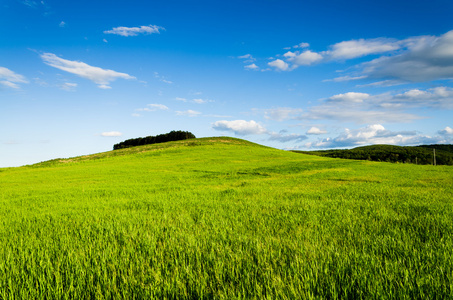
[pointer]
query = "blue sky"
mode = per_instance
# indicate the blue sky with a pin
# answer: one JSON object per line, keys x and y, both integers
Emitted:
{"x": 77, "y": 77}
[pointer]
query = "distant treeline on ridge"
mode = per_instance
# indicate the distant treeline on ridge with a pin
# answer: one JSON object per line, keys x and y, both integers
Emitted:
{"x": 161, "y": 138}
{"x": 422, "y": 155}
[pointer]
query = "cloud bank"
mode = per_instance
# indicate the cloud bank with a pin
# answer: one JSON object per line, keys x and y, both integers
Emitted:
{"x": 365, "y": 108}
{"x": 376, "y": 134}
{"x": 415, "y": 59}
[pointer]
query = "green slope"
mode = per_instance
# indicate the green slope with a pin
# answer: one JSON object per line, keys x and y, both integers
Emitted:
{"x": 224, "y": 218}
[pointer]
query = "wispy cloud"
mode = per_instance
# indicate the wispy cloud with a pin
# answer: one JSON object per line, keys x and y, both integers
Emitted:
{"x": 162, "y": 78}
{"x": 111, "y": 134}
{"x": 201, "y": 101}
{"x": 362, "y": 47}
{"x": 38, "y": 5}
{"x": 68, "y": 86}
{"x": 282, "y": 137}
{"x": 11, "y": 79}
{"x": 102, "y": 77}
{"x": 188, "y": 113}
{"x": 247, "y": 58}
{"x": 153, "y": 107}
{"x": 282, "y": 113}
{"x": 30, "y": 3}
{"x": 134, "y": 31}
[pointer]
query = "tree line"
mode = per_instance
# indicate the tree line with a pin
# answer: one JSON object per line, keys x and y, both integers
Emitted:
{"x": 161, "y": 138}
{"x": 422, "y": 155}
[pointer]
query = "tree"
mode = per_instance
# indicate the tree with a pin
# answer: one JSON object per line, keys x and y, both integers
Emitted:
{"x": 161, "y": 138}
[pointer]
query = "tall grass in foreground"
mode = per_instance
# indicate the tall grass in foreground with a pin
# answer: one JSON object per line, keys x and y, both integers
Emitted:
{"x": 224, "y": 219}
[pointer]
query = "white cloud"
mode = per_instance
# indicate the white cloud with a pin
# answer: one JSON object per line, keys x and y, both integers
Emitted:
{"x": 102, "y": 77}
{"x": 381, "y": 108}
{"x": 439, "y": 97}
{"x": 316, "y": 131}
{"x": 345, "y": 78}
{"x": 134, "y": 31}
{"x": 9, "y": 84}
{"x": 10, "y": 79}
{"x": 446, "y": 131}
{"x": 279, "y": 64}
{"x": 247, "y": 57}
{"x": 181, "y": 99}
{"x": 189, "y": 113}
{"x": 111, "y": 134}
{"x": 350, "y": 97}
{"x": 62, "y": 24}
{"x": 240, "y": 127}
{"x": 251, "y": 67}
{"x": 201, "y": 101}
{"x": 158, "y": 106}
{"x": 305, "y": 58}
{"x": 372, "y": 135}
{"x": 362, "y": 47}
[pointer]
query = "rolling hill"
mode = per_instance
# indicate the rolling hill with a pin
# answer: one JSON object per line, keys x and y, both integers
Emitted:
{"x": 223, "y": 218}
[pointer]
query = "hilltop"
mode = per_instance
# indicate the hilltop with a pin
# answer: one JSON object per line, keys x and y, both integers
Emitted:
{"x": 159, "y": 147}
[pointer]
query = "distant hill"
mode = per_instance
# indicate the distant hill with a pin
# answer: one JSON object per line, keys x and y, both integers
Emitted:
{"x": 423, "y": 154}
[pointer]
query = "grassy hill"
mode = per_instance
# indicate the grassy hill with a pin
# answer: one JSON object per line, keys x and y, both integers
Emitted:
{"x": 422, "y": 154}
{"x": 224, "y": 218}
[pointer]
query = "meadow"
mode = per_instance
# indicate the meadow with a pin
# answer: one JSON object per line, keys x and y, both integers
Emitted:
{"x": 223, "y": 218}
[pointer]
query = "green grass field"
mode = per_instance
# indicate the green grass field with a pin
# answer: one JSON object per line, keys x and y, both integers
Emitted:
{"x": 222, "y": 218}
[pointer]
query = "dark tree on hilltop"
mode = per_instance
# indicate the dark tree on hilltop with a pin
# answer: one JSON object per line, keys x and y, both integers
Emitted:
{"x": 161, "y": 138}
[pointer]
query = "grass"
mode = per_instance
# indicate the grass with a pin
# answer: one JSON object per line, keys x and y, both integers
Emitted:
{"x": 222, "y": 218}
